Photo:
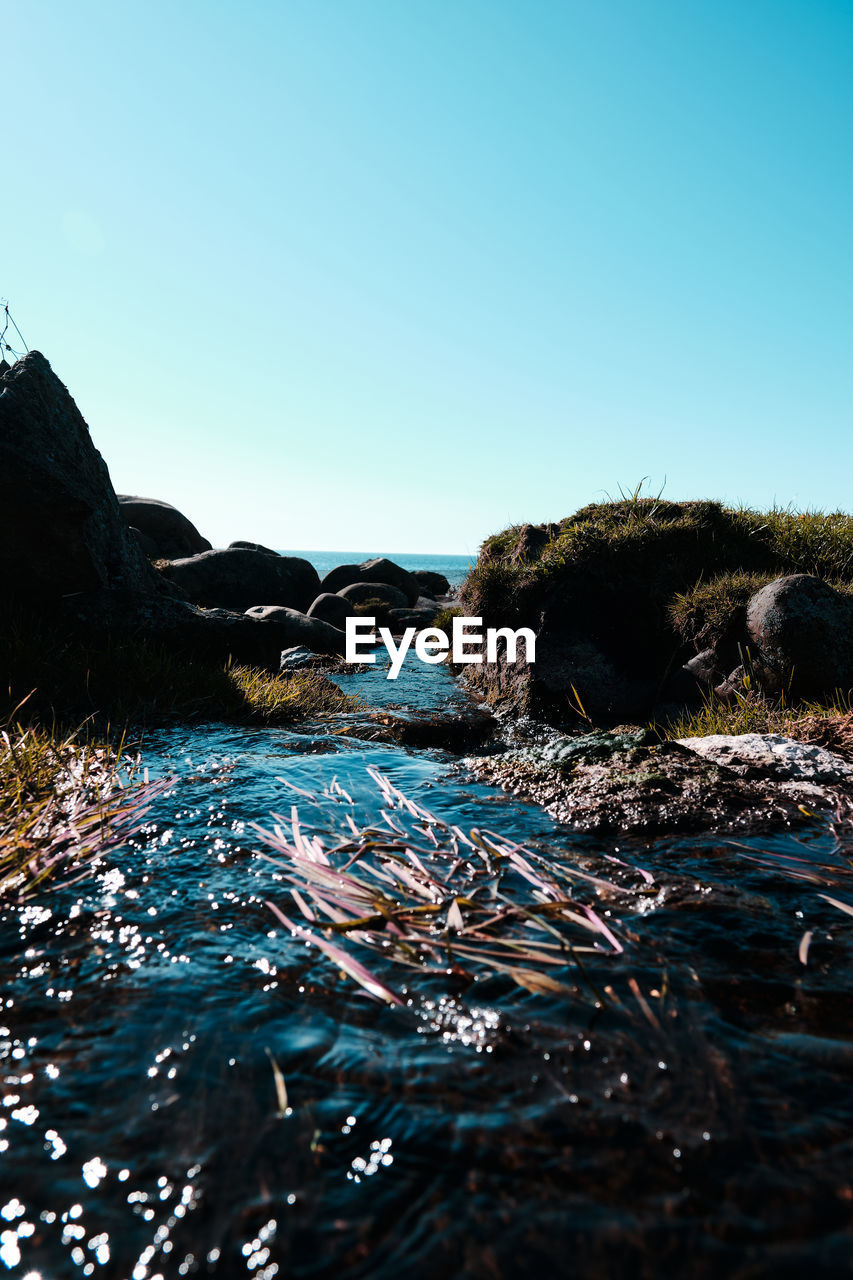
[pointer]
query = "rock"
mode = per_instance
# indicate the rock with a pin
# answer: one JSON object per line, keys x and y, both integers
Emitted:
{"x": 300, "y": 658}
{"x": 770, "y": 755}
{"x": 381, "y": 592}
{"x": 251, "y": 546}
{"x": 399, "y": 619}
{"x": 170, "y": 531}
{"x": 148, "y": 545}
{"x": 299, "y": 629}
{"x": 704, "y": 667}
{"x": 434, "y": 582}
{"x": 67, "y": 551}
{"x": 568, "y": 681}
{"x": 333, "y": 609}
{"x": 800, "y": 634}
{"x": 237, "y": 579}
{"x": 61, "y": 528}
{"x": 426, "y": 606}
{"x": 734, "y": 685}
{"x": 457, "y": 731}
{"x": 620, "y": 783}
{"x": 377, "y": 570}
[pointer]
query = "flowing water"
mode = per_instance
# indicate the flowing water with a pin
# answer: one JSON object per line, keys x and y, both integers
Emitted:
{"x": 695, "y": 1121}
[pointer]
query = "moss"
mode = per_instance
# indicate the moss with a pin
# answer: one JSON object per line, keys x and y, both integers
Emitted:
{"x": 629, "y": 574}
{"x": 376, "y": 609}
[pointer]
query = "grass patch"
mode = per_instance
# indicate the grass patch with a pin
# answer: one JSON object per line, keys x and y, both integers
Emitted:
{"x": 828, "y": 723}
{"x": 644, "y": 577}
{"x": 64, "y": 800}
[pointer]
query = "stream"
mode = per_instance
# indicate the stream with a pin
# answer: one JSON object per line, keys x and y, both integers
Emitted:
{"x": 703, "y": 1126}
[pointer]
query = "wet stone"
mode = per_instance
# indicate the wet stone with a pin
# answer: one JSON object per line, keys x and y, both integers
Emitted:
{"x": 627, "y": 782}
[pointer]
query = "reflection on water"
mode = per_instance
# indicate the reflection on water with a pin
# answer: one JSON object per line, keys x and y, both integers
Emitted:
{"x": 703, "y": 1128}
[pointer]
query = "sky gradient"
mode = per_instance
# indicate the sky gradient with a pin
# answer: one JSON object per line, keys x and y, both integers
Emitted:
{"x": 396, "y": 275}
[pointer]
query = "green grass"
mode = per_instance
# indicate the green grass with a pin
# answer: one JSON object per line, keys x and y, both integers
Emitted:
{"x": 829, "y": 722}
{"x": 64, "y": 800}
{"x": 63, "y": 794}
{"x": 666, "y": 573}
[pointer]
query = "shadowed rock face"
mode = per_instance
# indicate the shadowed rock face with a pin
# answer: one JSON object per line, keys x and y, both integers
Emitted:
{"x": 68, "y": 552}
{"x": 172, "y": 534}
{"x": 61, "y": 528}
{"x": 364, "y": 592}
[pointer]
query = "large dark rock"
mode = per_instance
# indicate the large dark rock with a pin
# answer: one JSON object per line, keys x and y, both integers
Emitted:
{"x": 377, "y": 570}
{"x": 367, "y": 592}
{"x": 800, "y": 633}
{"x": 434, "y": 582}
{"x": 569, "y": 682}
{"x": 299, "y": 629}
{"x": 238, "y": 578}
{"x": 169, "y": 530}
{"x": 61, "y": 528}
{"x": 627, "y": 782}
{"x": 333, "y": 609}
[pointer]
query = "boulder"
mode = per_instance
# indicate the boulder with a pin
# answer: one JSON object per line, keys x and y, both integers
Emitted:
{"x": 300, "y": 630}
{"x": 436, "y": 583}
{"x": 237, "y": 578}
{"x": 61, "y": 527}
{"x": 570, "y": 680}
{"x": 377, "y": 570}
{"x": 169, "y": 530}
{"x": 333, "y": 609}
{"x": 800, "y": 636}
{"x": 251, "y": 546}
{"x": 366, "y": 592}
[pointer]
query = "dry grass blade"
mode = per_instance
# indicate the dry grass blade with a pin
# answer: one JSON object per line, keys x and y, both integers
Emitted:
{"x": 475, "y": 895}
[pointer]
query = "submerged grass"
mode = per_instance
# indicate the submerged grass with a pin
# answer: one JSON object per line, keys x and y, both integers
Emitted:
{"x": 64, "y": 793}
{"x": 64, "y": 801}
{"x": 429, "y": 896}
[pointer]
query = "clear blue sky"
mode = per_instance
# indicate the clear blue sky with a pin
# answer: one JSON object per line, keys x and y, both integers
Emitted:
{"x": 394, "y": 274}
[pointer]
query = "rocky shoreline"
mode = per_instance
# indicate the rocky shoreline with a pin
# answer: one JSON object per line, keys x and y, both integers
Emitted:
{"x": 643, "y": 611}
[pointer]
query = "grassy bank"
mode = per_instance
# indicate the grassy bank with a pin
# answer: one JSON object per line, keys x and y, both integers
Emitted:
{"x": 64, "y": 800}
{"x": 114, "y": 683}
{"x": 651, "y": 582}
{"x": 647, "y": 547}
{"x": 66, "y": 710}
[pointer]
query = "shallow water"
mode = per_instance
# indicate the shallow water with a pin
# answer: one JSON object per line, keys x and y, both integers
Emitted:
{"x": 704, "y": 1129}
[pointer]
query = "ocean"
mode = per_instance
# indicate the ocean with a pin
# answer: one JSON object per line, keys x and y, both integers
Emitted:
{"x": 454, "y": 568}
